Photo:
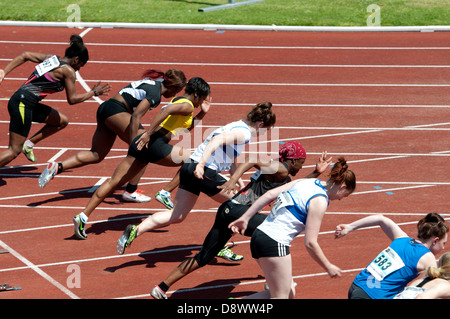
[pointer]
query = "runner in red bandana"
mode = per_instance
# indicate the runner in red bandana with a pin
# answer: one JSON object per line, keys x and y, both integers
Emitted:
{"x": 269, "y": 176}
{"x": 291, "y": 150}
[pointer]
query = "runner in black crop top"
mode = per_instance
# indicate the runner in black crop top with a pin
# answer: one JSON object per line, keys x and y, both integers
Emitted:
{"x": 43, "y": 85}
{"x": 136, "y": 91}
{"x": 120, "y": 117}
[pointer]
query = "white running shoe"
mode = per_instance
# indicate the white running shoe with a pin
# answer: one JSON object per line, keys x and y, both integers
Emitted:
{"x": 79, "y": 227}
{"x": 157, "y": 293}
{"x": 48, "y": 174}
{"x": 137, "y": 197}
{"x": 164, "y": 198}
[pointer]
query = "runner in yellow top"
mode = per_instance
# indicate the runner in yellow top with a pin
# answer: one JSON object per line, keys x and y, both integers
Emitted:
{"x": 153, "y": 145}
{"x": 175, "y": 123}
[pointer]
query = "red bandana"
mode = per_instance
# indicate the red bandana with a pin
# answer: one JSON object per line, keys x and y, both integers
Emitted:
{"x": 291, "y": 150}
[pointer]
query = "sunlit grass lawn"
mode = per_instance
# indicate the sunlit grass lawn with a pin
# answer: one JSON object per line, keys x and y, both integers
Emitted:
{"x": 268, "y": 12}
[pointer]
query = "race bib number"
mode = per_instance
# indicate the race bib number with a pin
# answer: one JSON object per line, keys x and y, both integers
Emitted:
{"x": 48, "y": 65}
{"x": 135, "y": 84}
{"x": 385, "y": 263}
{"x": 283, "y": 200}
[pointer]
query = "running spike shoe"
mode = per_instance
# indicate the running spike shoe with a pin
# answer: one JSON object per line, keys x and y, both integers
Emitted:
{"x": 227, "y": 253}
{"x": 126, "y": 239}
{"x": 48, "y": 174}
{"x": 164, "y": 198}
{"x": 137, "y": 197}
{"x": 79, "y": 227}
{"x": 28, "y": 152}
{"x": 157, "y": 293}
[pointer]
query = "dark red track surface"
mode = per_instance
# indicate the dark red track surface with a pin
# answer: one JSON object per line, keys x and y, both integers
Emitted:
{"x": 379, "y": 99}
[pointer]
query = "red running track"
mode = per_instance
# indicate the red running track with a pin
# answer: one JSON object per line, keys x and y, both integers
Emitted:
{"x": 379, "y": 99}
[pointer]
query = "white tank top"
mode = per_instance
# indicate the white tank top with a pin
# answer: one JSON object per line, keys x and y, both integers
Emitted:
{"x": 288, "y": 216}
{"x": 223, "y": 157}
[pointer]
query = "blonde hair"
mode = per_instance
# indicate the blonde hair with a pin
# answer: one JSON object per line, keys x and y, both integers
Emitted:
{"x": 444, "y": 268}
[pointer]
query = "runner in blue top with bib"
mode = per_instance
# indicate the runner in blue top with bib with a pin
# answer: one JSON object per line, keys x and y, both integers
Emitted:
{"x": 394, "y": 267}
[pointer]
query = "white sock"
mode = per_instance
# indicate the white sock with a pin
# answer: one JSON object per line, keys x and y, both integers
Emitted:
{"x": 83, "y": 217}
{"x": 29, "y": 144}
{"x": 163, "y": 192}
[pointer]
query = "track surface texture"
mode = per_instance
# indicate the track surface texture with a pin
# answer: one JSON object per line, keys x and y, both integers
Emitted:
{"x": 381, "y": 100}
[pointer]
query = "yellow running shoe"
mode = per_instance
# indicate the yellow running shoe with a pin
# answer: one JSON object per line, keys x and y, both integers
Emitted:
{"x": 28, "y": 152}
{"x": 227, "y": 253}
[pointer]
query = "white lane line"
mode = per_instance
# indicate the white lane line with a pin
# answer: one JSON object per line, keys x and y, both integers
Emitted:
{"x": 97, "y": 185}
{"x": 80, "y": 78}
{"x": 292, "y": 65}
{"x": 273, "y": 84}
{"x": 278, "y": 104}
{"x": 390, "y": 189}
{"x": 57, "y": 155}
{"x": 203, "y": 46}
{"x": 35, "y": 268}
{"x": 271, "y": 65}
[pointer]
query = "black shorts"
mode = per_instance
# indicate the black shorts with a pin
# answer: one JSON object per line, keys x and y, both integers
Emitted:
{"x": 24, "y": 108}
{"x": 158, "y": 148}
{"x": 356, "y": 292}
{"x": 110, "y": 108}
{"x": 208, "y": 185}
{"x": 262, "y": 245}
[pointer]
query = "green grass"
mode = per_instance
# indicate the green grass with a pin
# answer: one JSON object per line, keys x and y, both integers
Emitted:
{"x": 278, "y": 12}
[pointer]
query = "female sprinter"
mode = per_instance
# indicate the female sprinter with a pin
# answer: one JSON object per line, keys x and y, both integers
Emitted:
{"x": 153, "y": 146}
{"x": 52, "y": 74}
{"x": 300, "y": 206}
{"x": 200, "y": 174}
{"x": 402, "y": 261}
{"x": 435, "y": 285}
{"x": 269, "y": 176}
{"x": 121, "y": 116}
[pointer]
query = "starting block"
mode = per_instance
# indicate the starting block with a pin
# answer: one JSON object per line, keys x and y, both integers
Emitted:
{"x": 7, "y": 287}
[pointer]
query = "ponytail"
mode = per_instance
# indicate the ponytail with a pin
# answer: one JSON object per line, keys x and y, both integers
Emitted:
{"x": 444, "y": 268}
{"x": 77, "y": 49}
{"x": 153, "y": 74}
{"x": 341, "y": 174}
{"x": 171, "y": 78}
{"x": 262, "y": 112}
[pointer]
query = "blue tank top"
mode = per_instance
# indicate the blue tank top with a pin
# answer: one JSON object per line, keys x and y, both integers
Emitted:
{"x": 392, "y": 269}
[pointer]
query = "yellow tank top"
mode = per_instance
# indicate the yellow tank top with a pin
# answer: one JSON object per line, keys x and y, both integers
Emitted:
{"x": 175, "y": 123}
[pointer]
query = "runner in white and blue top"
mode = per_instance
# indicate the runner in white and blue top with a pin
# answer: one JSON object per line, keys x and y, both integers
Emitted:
{"x": 223, "y": 157}
{"x": 300, "y": 206}
{"x": 219, "y": 152}
{"x": 288, "y": 216}
{"x": 196, "y": 177}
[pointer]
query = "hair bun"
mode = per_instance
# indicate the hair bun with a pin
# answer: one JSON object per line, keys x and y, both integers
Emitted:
{"x": 433, "y": 217}
{"x": 75, "y": 39}
{"x": 265, "y": 105}
{"x": 343, "y": 165}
